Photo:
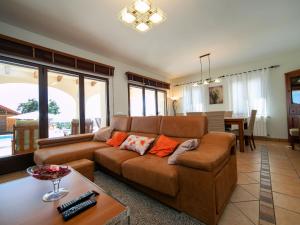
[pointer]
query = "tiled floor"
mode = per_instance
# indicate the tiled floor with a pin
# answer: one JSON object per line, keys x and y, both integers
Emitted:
{"x": 243, "y": 208}
{"x": 285, "y": 175}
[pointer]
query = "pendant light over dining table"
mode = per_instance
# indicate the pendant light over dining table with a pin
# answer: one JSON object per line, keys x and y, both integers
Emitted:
{"x": 141, "y": 15}
{"x": 209, "y": 79}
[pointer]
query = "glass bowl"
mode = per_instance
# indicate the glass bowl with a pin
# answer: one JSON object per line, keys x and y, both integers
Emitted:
{"x": 53, "y": 173}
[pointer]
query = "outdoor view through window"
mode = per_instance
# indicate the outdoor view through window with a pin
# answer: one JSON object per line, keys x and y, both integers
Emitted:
{"x": 19, "y": 106}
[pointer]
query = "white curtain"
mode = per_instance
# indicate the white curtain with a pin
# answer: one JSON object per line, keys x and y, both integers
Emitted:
{"x": 249, "y": 91}
{"x": 194, "y": 98}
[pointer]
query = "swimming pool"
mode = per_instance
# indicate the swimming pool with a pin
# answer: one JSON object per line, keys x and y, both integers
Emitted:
{"x": 6, "y": 137}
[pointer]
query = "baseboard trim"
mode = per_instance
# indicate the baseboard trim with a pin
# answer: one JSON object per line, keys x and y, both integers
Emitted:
{"x": 270, "y": 139}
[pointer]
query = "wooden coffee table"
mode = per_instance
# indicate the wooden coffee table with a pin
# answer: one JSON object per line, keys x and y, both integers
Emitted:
{"x": 21, "y": 203}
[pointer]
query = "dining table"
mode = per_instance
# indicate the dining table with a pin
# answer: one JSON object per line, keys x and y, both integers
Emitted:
{"x": 242, "y": 124}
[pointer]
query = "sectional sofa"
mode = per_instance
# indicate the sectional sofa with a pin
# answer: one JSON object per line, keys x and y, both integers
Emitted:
{"x": 201, "y": 182}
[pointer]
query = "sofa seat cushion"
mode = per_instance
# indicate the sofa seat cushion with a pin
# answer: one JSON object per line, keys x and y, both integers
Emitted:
{"x": 67, "y": 153}
{"x": 152, "y": 172}
{"x": 83, "y": 166}
{"x": 215, "y": 148}
{"x": 112, "y": 158}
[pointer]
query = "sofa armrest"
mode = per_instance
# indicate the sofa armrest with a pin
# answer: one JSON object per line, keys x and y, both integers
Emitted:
{"x": 214, "y": 149}
{"x": 57, "y": 141}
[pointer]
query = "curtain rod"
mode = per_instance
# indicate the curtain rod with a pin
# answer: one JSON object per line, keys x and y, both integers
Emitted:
{"x": 229, "y": 75}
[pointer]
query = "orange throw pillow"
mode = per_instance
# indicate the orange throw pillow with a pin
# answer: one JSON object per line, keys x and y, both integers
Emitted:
{"x": 117, "y": 139}
{"x": 164, "y": 146}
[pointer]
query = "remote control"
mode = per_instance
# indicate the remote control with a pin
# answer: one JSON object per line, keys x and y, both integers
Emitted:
{"x": 76, "y": 201}
{"x": 75, "y": 210}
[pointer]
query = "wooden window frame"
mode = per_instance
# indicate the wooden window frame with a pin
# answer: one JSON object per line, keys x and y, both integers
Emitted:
{"x": 22, "y": 161}
{"x": 144, "y": 100}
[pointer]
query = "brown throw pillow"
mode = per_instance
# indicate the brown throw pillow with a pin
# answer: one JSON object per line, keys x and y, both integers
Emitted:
{"x": 185, "y": 146}
{"x": 103, "y": 134}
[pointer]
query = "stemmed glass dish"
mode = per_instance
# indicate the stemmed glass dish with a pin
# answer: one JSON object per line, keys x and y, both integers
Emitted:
{"x": 53, "y": 173}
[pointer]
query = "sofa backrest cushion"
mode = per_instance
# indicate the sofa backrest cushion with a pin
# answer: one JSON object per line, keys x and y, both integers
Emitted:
{"x": 145, "y": 124}
{"x": 184, "y": 126}
{"x": 120, "y": 123}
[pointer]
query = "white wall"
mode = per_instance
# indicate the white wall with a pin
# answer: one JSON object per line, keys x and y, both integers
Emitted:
{"x": 277, "y": 125}
{"x": 118, "y": 84}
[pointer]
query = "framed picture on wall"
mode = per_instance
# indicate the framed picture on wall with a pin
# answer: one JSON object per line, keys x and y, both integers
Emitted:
{"x": 216, "y": 95}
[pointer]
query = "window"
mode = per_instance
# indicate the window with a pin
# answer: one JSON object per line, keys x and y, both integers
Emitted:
{"x": 249, "y": 91}
{"x": 63, "y": 104}
{"x": 146, "y": 101}
{"x": 95, "y": 104}
{"x": 194, "y": 98}
{"x": 47, "y": 102}
{"x": 161, "y": 103}
{"x": 136, "y": 101}
{"x": 19, "y": 108}
{"x": 150, "y": 103}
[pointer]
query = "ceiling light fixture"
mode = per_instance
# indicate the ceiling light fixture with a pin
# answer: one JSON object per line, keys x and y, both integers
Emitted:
{"x": 208, "y": 80}
{"x": 141, "y": 15}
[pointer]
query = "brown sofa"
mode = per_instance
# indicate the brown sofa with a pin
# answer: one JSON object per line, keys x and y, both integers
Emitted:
{"x": 200, "y": 184}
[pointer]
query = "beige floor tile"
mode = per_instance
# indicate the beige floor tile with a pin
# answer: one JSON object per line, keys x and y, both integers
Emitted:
{"x": 250, "y": 209}
{"x": 253, "y": 189}
{"x": 281, "y": 164}
{"x": 249, "y": 167}
{"x": 286, "y": 217}
{"x": 243, "y": 178}
{"x": 241, "y": 195}
{"x": 254, "y": 175}
{"x": 293, "y": 154}
{"x": 233, "y": 216}
{"x": 285, "y": 179}
{"x": 289, "y": 189}
{"x": 291, "y": 173}
{"x": 287, "y": 202}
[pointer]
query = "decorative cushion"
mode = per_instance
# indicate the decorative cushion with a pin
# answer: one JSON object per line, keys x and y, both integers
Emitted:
{"x": 117, "y": 139}
{"x": 103, "y": 134}
{"x": 185, "y": 146}
{"x": 136, "y": 143}
{"x": 164, "y": 146}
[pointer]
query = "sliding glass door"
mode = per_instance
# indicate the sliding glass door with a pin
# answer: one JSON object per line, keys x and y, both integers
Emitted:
{"x": 38, "y": 101}
{"x": 63, "y": 104}
{"x": 144, "y": 101}
{"x": 19, "y": 108}
{"x": 95, "y": 93}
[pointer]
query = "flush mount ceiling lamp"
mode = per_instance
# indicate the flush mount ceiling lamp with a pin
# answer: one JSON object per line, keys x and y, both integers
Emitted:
{"x": 141, "y": 15}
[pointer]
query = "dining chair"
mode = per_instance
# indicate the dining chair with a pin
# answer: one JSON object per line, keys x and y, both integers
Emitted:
{"x": 216, "y": 121}
{"x": 195, "y": 113}
{"x": 248, "y": 133}
{"x": 228, "y": 127}
{"x": 228, "y": 113}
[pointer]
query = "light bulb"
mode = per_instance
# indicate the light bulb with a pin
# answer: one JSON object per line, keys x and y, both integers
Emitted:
{"x": 142, "y": 6}
{"x": 126, "y": 16}
{"x": 218, "y": 80}
{"x": 142, "y": 27}
{"x": 156, "y": 18}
